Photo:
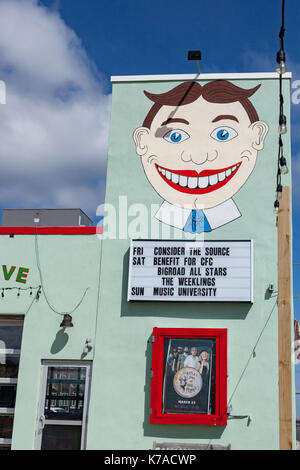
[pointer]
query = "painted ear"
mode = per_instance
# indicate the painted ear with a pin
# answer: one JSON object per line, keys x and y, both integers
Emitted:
{"x": 140, "y": 138}
{"x": 260, "y": 130}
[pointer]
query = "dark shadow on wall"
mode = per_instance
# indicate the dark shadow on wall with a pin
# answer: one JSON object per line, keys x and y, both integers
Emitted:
{"x": 60, "y": 341}
{"x": 170, "y": 431}
{"x": 191, "y": 310}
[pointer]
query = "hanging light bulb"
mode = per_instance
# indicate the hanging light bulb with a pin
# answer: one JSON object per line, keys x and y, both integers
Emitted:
{"x": 280, "y": 59}
{"x": 276, "y": 207}
{"x": 2, "y": 294}
{"x": 38, "y": 293}
{"x": 18, "y": 294}
{"x": 283, "y": 166}
{"x": 279, "y": 191}
{"x": 282, "y": 129}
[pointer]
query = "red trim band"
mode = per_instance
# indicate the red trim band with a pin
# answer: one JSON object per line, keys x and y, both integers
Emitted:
{"x": 51, "y": 230}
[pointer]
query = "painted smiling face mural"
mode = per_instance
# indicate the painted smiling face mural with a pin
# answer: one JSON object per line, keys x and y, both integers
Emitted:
{"x": 198, "y": 146}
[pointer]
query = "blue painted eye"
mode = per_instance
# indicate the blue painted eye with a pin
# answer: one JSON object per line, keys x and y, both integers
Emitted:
{"x": 223, "y": 134}
{"x": 176, "y": 136}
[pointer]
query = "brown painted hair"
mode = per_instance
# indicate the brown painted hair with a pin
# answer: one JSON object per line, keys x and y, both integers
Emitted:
{"x": 218, "y": 91}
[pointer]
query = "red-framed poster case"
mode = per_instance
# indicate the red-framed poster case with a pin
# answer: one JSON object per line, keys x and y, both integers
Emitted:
{"x": 189, "y": 376}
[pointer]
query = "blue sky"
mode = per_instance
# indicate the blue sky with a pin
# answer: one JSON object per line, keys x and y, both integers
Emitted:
{"x": 57, "y": 56}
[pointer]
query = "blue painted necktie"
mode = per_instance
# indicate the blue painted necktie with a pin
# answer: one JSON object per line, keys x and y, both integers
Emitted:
{"x": 197, "y": 222}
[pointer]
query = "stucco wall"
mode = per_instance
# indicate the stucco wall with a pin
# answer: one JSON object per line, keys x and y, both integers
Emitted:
{"x": 119, "y": 409}
{"x": 69, "y": 265}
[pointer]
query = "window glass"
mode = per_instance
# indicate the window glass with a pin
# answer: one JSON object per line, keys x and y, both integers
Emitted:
{"x": 7, "y": 396}
{"x": 9, "y": 366}
{"x": 189, "y": 376}
{"x": 11, "y": 336}
{"x": 6, "y": 427}
{"x": 65, "y": 393}
{"x": 61, "y": 437}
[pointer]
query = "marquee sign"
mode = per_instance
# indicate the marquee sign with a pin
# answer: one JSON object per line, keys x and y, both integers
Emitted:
{"x": 205, "y": 271}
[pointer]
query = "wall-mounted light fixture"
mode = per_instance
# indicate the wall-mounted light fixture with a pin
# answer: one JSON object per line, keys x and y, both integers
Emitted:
{"x": 88, "y": 346}
{"x": 67, "y": 321}
{"x": 196, "y": 56}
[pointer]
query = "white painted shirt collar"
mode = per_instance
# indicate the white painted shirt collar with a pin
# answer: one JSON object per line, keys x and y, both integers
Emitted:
{"x": 217, "y": 216}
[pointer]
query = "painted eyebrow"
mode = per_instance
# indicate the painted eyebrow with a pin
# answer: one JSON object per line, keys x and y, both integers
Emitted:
{"x": 168, "y": 121}
{"x": 225, "y": 116}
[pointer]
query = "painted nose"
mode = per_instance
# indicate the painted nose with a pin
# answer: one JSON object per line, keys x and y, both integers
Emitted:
{"x": 199, "y": 157}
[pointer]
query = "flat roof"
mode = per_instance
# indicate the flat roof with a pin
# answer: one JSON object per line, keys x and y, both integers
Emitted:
{"x": 201, "y": 76}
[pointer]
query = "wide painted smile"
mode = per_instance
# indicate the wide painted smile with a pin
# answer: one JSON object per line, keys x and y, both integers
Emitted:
{"x": 192, "y": 182}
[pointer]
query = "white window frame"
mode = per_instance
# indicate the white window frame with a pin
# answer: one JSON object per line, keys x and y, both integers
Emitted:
{"x": 9, "y": 321}
{"x": 41, "y": 421}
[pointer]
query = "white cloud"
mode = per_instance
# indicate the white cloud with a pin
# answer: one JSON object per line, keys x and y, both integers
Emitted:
{"x": 54, "y": 127}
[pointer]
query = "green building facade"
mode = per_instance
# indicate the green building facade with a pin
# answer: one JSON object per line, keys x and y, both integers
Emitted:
{"x": 104, "y": 365}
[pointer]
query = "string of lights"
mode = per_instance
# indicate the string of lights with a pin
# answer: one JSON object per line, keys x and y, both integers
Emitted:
{"x": 282, "y": 168}
{"x": 19, "y": 289}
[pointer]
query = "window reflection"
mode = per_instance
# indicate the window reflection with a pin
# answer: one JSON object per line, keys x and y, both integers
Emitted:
{"x": 65, "y": 393}
{"x": 61, "y": 438}
{"x": 9, "y": 366}
{"x": 7, "y": 396}
{"x": 11, "y": 336}
{"x": 10, "y": 339}
{"x": 6, "y": 427}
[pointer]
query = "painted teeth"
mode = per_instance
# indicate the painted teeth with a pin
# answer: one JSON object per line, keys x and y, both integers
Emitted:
{"x": 213, "y": 179}
{"x": 175, "y": 178}
{"x": 222, "y": 176}
{"x": 203, "y": 182}
{"x": 183, "y": 181}
{"x": 194, "y": 182}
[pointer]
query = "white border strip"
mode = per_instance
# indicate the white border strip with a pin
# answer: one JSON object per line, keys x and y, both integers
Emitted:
{"x": 5, "y": 442}
{"x": 202, "y": 76}
{"x": 61, "y": 422}
{"x": 7, "y": 411}
{"x": 7, "y": 380}
{"x": 10, "y": 352}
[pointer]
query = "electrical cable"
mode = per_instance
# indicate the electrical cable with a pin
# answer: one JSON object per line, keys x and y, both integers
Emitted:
{"x": 252, "y": 354}
{"x": 31, "y": 288}
{"x": 281, "y": 169}
{"x": 37, "y": 256}
{"x": 20, "y": 288}
{"x": 281, "y": 69}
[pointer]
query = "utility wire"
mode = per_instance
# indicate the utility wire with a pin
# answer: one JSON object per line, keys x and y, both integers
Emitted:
{"x": 43, "y": 285}
{"x": 282, "y": 29}
{"x": 281, "y": 69}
